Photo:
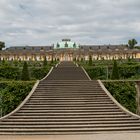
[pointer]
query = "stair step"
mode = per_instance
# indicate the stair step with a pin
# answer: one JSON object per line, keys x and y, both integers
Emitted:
{"x": 72, "y": 126}
{"x": 68, "y": 119}
{"x": 45, "y": 111}
{"x": 70, "y": 116}
{"x": 28, "y": 113}
{"x": 72, "y": 122}
{"x": 68, "y": 105}
{"x": 70, "y": 130}
{"x": 67, "y": 102}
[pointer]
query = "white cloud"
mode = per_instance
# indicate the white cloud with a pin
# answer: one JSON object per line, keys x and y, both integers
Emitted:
{"x": 43, "y": 22}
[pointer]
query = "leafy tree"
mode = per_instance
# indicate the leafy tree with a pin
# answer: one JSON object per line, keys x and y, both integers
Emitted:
{"x": 115, "y": 71}
{"x": 25, "y": 73}
{"x": 2, "y": 45}
{"x": 132, "y": 43}
{"x": 90, "y": 61}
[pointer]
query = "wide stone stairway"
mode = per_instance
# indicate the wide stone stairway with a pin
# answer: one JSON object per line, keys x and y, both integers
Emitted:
{"x": 67, "y": 102}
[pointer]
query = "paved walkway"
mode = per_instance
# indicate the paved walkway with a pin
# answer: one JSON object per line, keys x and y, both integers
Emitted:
{"x": 109, "y": 136}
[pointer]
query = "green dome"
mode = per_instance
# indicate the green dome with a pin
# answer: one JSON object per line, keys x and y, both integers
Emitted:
{"x": 66, "y": 44}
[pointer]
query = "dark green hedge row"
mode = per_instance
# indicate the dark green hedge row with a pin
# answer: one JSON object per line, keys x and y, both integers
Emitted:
{"x": 12, "y": 94}
{"x": 124, "y": 93}
{"x": 104, "y": 72}
{"x": 14, "y": 73}
{"x": 97, "y": 72}
{"x": 39, "y": 73}
{"x": 8, "y": 72}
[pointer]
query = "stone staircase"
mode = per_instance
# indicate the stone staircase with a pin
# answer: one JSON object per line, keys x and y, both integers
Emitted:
{"x": 67, "y": 102}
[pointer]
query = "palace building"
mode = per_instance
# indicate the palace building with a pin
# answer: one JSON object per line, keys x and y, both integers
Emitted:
{"x": 66, "y": 50}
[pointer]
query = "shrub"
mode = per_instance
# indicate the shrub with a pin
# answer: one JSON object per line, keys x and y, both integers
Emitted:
{"x": 12, "y": 94}
{"x": 9, "y": 72}
{"x": 115, "y": 71}
{"x": 90, "y": 61}
{"x": 25, "y": 73}
{"x": 97, "y": 72}
{"x": 39, "y": 73}
{"x": 124, "y": 93}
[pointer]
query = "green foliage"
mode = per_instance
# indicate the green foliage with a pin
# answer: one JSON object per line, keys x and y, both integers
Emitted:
{"x": 128, "y": 69}
{"x": 25, "y": 73}
{"x": 12, "y": 94}
{"x": 96, "y": 72}
{"x": 2, "y": 45}
{"x": 124, "y": 93}
{"x": 39, "y": 73}
{"x": 115, "y": 71}
{"x": 90, "y": 63}
{"x": 132, "y": 43}
{"x": 9, "y": 72}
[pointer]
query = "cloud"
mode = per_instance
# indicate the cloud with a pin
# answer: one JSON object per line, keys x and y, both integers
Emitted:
{"x": 44, "y": 22}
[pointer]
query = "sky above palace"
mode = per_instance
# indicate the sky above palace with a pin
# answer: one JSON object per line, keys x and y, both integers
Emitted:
{"x": 44, "y": 22}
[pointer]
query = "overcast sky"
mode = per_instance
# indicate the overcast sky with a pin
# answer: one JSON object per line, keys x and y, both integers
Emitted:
{"x": 44, "y": 22}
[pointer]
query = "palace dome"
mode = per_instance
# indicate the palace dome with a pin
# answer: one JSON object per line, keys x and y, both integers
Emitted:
{"x": 66, "y": 43}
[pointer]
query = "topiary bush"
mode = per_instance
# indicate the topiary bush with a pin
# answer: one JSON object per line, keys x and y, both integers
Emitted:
{"x": 25, "y": 72}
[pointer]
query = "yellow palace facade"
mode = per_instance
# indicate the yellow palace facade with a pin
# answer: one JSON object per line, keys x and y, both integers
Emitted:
{"x": 66, "y": 50}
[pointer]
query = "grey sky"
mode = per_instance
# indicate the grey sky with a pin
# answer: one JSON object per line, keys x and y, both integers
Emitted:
{"x": 44, "y": 22}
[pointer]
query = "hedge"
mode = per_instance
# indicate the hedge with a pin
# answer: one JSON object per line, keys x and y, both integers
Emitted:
{"x": 39, "y": 73}
{"x": 9, "y": 72}
{"x": 12, "y": 94}
{"x": 14, "y": 73}
{"x": 124, "y": 93}
{"x": 125, "y": 71}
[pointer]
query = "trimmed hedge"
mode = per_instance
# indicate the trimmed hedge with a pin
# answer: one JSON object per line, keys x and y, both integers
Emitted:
{"x": 97, "y": 72}
{"x": 39, "y": 73}
{"x": 125, "y": 71}
{"x": 14, "y": 73}
{"x": 12, "y": 94}
{"x": 9, "y": 72}
{"x": 124, "y": 93}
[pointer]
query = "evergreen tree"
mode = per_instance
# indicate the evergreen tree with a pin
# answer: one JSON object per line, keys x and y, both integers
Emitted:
{"x": 90, "y": 61}
{"x": 115, "y": 71}
{"x": 45, "y": 63}
{"x": 25, "y": 72}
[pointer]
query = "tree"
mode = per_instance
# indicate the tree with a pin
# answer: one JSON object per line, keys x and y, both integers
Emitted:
{"x": 90, "y": 61}
{"x": 132, "y": 43}
{"x": 2, "y": 45}
{"x": 45, "y": 63}
{"x": 25, "y": 72}
{"x": 115, "y": 71}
